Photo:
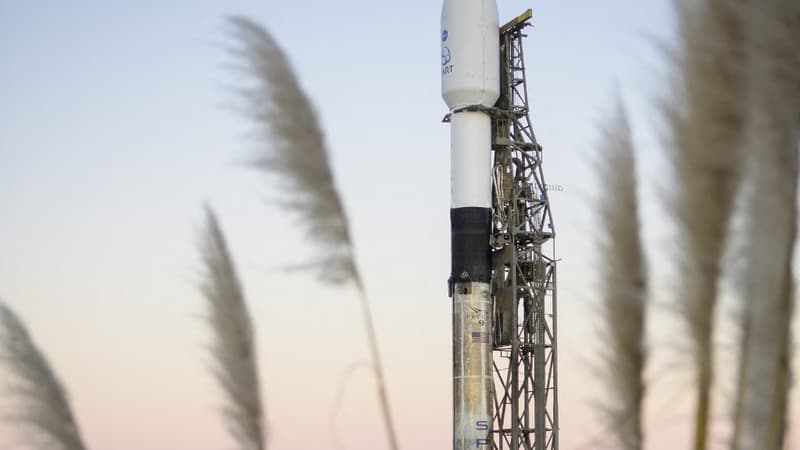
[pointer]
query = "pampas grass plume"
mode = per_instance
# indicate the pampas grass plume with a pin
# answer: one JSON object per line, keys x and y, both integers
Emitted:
{"x": 773, "y": 101}
{"x": 43, "y": 406}
{"x": 294, "y": 152}
{"x": 294, "y": 149}
{"x": 705, "y": 120}
{"x": 623, "y": 287}
{"x": 233, "y": 347}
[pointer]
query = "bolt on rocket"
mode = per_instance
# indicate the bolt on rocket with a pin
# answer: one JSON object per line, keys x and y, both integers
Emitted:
{"x": 470, "y": 85}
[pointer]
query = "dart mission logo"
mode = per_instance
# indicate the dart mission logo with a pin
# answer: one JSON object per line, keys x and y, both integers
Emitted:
{"x": 446, "y": 55}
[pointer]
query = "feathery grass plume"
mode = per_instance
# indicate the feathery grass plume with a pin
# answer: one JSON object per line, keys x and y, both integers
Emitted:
{"x": 233, "y": 347}
{"x": 771, "y": 137}
{"x": 623, "y": 287}
{"x": 705, "y": 119}
{"x": 294, "y": 148}
{"x": 294, "y": 151}
{"x": 43, "y": 404}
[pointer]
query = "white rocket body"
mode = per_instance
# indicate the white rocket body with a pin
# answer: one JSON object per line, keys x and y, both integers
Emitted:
{"x": 471, "y": 80}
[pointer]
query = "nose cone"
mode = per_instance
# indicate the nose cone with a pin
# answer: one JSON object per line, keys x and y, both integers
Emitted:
{"x": 470, "y": 41}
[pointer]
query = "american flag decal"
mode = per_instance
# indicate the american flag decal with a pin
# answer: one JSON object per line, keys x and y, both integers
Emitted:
{"x": 480, "y": 337}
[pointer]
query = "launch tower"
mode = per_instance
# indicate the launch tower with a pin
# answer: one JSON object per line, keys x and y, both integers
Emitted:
{"x": 524, "y": 266}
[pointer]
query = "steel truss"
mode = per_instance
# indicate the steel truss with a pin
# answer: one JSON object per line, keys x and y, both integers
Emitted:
{"x": 524, "y": 274}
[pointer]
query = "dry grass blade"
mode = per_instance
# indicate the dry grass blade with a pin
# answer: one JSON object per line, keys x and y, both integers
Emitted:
{"x": 294, "y": 151}
{"x": 771, "y": 219}
{"x": 705, "y": 121}
{"x": 233, "y": 347}
{"x": 623, "y": 287}
{"x": 43, "y": 404}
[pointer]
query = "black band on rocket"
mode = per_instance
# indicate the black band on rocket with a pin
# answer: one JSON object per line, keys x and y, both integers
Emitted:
{"x": 470, "y": 228}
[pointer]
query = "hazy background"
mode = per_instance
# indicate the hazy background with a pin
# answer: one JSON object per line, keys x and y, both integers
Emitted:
{"x": 118, "y": 121}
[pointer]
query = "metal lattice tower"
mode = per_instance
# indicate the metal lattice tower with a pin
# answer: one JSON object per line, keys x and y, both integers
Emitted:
{"x": 524, "y": 273}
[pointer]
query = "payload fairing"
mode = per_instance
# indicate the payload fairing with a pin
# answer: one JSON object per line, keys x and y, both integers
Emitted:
{"x": 470, "y": 85}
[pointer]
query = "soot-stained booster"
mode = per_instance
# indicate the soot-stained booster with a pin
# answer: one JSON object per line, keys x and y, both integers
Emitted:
{"x": 471, "y": 84}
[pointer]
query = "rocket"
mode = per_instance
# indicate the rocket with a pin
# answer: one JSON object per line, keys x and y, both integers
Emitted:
{"x": 470, "y": 42}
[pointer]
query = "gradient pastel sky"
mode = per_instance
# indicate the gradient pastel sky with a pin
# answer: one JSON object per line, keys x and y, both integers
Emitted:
{"x": 117, "y": 122}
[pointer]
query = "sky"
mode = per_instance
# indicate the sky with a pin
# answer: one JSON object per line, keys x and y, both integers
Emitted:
{"x": 118, "y": 122}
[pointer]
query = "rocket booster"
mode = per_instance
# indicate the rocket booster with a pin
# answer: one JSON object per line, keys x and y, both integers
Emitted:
{"x": 470, "y": 83}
